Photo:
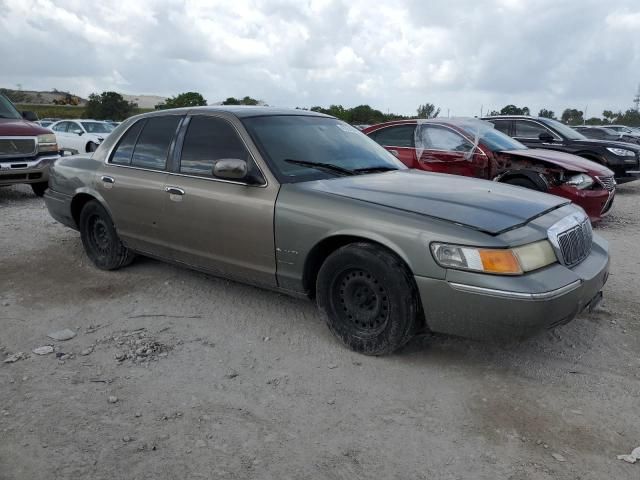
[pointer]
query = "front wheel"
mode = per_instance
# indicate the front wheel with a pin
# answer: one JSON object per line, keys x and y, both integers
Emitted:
{"x": 39, "y": 188}
{"x": 523, "y": 182}
{"x": 368, "y": 298}
{"x": 100, "y": 239}
{"x": 91, "y": 147}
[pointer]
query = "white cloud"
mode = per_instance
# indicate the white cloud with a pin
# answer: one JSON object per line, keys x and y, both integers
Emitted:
{"x": 391, "y": 54}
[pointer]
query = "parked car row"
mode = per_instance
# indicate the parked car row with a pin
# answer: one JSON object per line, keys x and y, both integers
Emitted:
{"x": 606, "y": 133}
{"x": 306, "y": 204}
{"x": 80, "y": 136}
{"x": 473, "y": 148}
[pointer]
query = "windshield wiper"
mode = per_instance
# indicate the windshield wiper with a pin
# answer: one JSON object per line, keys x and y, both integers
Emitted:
{"x": 380, "y": 168}
{"x": 322, "y": 166}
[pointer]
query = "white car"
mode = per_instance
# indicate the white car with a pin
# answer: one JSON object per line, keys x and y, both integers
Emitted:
{"x": 80, "y": 136}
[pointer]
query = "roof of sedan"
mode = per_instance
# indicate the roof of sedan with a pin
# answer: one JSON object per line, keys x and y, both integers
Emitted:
{"x": 245, "y": 111}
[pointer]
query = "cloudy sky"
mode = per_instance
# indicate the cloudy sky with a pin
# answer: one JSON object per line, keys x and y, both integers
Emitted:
{"x": 393, "y": 55}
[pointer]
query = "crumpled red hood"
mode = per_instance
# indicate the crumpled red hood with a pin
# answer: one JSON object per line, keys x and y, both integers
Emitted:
{"x": 565, "y": 160}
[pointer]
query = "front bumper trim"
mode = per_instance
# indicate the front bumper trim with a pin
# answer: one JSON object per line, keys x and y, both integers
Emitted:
{"x": 517, "y": 295}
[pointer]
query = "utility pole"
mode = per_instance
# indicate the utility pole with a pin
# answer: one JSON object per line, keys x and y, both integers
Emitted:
{"x": 584, "y": 117}
{"x": 636, "y": 100}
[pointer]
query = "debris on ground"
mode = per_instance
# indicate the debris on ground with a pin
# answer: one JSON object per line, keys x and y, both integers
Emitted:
{"x": 558, "y": 457}
{"x": 633, "y": 457}
{"x": 231, "y": 375}
{"x": 44, "y": 350}
{"x": 86, "y": 351}
{"x": 138, "y": 346}
{"x": 62, "y": 335}
{"x": 16, "y": 357}
{"x": 112, "y": 399}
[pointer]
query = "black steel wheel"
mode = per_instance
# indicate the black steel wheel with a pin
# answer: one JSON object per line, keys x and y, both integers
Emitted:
{"x": 368, "y": 298}
{"x": 100, "y": 239}
{"x": 92, "y": 147}
{"x": 39, "y": 188}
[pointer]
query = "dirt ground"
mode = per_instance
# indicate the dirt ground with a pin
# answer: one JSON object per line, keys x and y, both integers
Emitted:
{"x": 174, "y": 374}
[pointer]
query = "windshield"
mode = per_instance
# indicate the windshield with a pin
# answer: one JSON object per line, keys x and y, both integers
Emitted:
{"x": 565, "y": 130}
{"x": 7, "y": 110}
{"x": 489, "y": 136}
{"x": 292, "y": 143}
{"x": 97, "y": 127}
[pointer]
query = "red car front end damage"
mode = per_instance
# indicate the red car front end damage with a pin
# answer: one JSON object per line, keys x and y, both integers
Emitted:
{"x": 474, "y": 148}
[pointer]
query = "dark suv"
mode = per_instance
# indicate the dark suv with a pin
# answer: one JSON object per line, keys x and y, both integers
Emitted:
{"x": 537, "y": 132}
{"x": 26, "y": 149}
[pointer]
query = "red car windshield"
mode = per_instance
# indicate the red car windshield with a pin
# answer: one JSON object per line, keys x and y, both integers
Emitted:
{"x": 7, "y": 110}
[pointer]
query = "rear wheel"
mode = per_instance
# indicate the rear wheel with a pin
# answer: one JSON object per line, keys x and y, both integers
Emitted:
{"x": 523, "y": 182}
{"x": 100, "y": 239}
{"x": 39, "y": 188}
{"x": 368, "y": 298}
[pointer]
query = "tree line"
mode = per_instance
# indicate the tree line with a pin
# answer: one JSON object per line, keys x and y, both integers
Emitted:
{"x": 111, "y": 105}
{"x": 573, "y": 116}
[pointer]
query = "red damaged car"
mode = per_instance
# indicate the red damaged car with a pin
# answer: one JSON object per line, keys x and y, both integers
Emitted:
{"x": 474, "y": 148}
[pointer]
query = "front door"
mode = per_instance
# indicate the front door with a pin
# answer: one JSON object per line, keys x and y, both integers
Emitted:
{"x": 132, "y": 182}
{"x": 225, "y": 227}
{"x": 444, "y": 150}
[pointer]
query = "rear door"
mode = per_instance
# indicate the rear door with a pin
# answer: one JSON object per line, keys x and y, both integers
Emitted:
{"x": 443, "y": 149}
{"x": 223, "y": 226}
{"x": 399, "y": 140}
{"x": 133, "y": 179}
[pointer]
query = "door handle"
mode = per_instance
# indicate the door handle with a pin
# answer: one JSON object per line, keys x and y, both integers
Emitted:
{"x": 174, "y": 190}
{"x": 107, "y": 179}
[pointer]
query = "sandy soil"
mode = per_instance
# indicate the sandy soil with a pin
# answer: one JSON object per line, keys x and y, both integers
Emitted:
{"x": 236, "y": 382}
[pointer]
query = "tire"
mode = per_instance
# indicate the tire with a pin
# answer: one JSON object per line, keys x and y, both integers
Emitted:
{"x": 368, "y": 298}
{"x": 100, "y": 239}
{"x": 523, "y": 182}
{"x": 91, "y": 147}
{"x": 39, "y": 188}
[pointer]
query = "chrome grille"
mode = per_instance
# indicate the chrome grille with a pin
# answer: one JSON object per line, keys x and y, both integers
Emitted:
{"x": 608, "y": 183}
{"x": 17, "y": 147}
{"x": 575, "y": 243}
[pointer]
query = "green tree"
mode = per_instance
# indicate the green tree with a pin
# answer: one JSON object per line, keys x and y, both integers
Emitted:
{"x": 609, "y": 116}
{"x": 546, "y": 113}
{"x": 572, "y": 116}
{"x": 428, "y": 110}
{"x": 513, "y": 110}
{"x": 187, "y": 99}
{"x": 593, "y": 121}
{"x": 631, "y": 118}
{"x": 242, "y": 101}
{"x": 109, "y": 105}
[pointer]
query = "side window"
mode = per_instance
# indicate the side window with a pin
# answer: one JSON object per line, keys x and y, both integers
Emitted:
{"x": 152, "y": 147}
{"x": 398, "y": 136}
{"x": 74, "y": 128}
{"x": 439, "y": 138}
{"x": 208, "y": 140}
{"x": 124, "y": 150}
{"x": 527, "y": 129}
{"x": 501, "y": 126}
{"x": 594, "y": 132}
{"x": 61, "y": 127}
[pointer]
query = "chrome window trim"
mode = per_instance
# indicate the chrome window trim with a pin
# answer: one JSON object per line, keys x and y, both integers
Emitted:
{"x": 515, "y": 129}
{"x": 516, "y": 295}
{"x": 109, "y": 154}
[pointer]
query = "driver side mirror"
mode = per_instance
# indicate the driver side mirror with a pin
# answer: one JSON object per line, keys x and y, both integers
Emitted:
{"x": 231, "y": 169}
{"x": 545, "y": 137}
{"x": 77, "y": 132}
{"x": 30, "y": 116}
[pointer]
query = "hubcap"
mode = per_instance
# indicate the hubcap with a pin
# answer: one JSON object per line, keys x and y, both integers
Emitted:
{"x": 99, "y": 235}
{"x": 362, "y": 302}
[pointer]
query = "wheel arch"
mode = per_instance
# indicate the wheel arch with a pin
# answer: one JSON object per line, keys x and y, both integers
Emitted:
{"x": 81, "y": 198}
{"x": 534, "y": 176}
{"x": 325, "y": 247}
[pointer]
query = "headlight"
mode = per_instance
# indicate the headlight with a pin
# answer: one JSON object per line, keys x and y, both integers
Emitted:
{"x": 580, "y": 181}
{"x": 47, "y": 143}
{"x": 515, "y": 261}
{"x": 622, "y": 152}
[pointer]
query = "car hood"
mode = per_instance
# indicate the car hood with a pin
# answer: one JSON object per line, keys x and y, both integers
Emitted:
{"x": 480, "y": 204}
{"x": 20, "y": 128}
{"x": 565, "y": 160}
